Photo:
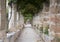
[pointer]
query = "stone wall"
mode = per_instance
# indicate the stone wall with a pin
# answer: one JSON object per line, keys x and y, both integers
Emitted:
{"x": 55, "y": 17}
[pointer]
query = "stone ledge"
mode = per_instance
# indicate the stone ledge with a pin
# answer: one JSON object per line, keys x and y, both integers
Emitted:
{"x": 12, "y": 36}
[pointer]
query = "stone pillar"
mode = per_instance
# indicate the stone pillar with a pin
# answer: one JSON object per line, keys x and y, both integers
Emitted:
{"x": 15, "y": 15}
{"x": 46, "y": 21}
{"x": 45, "y": 13}
{"x": 12, "y": 22}
{"x": 3, "y": 20}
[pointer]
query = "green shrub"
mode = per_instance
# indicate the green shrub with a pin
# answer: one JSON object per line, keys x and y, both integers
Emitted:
{"x": 46, "y": 30}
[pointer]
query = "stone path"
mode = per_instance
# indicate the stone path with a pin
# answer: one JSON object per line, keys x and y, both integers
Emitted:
{"x": 29, "y": 35}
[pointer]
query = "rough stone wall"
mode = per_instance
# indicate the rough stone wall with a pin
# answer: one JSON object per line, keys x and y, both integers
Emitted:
{"x": 55, "y": 17}
{"x": 54, "y": 6}
{"x": 56, "y": 21}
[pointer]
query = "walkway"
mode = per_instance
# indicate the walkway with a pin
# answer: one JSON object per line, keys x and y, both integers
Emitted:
{"x": 28, "y": 35}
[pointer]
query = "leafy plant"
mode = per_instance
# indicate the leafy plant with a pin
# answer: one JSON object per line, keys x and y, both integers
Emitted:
{"x": 46, "y": 30}
{"x": 26, "y": 17}
{"x": 29, "y": 7}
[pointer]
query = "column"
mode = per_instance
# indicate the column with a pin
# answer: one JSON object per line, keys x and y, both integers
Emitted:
{"x": 13, "y": 19}
{"x": 3, "y": 20}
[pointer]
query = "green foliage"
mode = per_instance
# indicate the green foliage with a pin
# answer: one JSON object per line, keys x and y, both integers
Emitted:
{"x": 30, "y": 9}
{"x": 29, "y": 6}
{"x": 46, "y": 30}
{"x": 29, "y": 16}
